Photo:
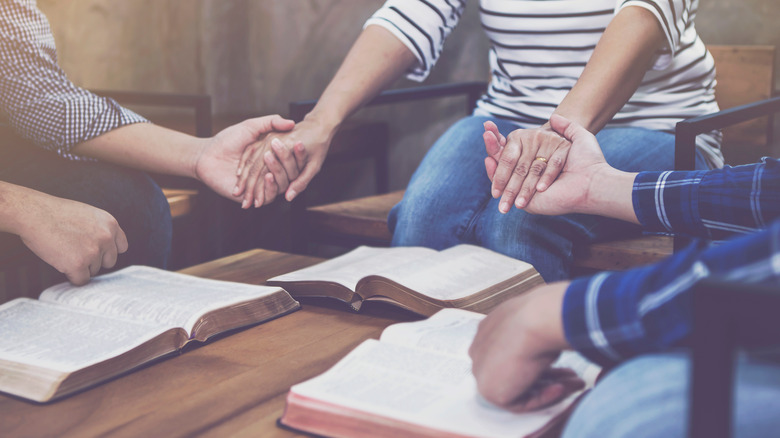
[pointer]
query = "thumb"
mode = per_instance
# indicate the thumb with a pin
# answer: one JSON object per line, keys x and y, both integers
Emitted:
{"x": 266, "y": 124}
{"x": 569, "y": 130}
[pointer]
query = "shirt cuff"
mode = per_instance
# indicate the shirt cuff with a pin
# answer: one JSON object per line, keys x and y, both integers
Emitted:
{"x": 668, "y": 201}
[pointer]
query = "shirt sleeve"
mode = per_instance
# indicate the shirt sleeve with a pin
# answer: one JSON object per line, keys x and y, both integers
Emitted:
{"x": 674, "y": 17}
{"x": 613, "y": 316}
{"x": 713, "y": 204}
{"x": 36, "y": 98}
{"x": 421, "y": 25}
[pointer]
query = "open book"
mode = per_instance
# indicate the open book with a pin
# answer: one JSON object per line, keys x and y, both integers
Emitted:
{"x": 422, "y": 280}
{"x": 416, "y": 381}
{"x": 75, "y": 337}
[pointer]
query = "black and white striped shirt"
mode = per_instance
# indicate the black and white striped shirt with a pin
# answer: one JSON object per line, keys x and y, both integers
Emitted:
{"x": 36, "y": 98}
{"x": 539, "y": 49}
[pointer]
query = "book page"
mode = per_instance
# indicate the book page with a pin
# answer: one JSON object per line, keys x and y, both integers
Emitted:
{"x": 349, "y": 268}
{"x": 64, "y": 339}
{"x": 150, "y": 294}
{"x": 456, "y": 272}
{"x": 419, "y": 387}
{"x": 449, "y": 331}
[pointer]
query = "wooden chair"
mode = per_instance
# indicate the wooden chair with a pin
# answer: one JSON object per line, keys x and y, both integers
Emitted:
{"x": 745, "y": 74}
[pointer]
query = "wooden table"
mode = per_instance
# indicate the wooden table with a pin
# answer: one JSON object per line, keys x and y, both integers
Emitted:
{"x": 232, "y": 386}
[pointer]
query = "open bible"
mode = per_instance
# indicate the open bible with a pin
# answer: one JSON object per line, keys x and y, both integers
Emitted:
{"x": 74, "y": 337}
{"x": 420, "y": 279}
{"x": 416, "y": 381}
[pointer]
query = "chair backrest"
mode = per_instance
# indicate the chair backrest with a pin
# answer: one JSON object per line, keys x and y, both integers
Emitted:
{"x": 745, "y": 74}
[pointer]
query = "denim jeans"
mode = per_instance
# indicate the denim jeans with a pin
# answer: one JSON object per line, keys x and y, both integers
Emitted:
{"x": 132, "y": 197}
{"x": 647, "y": 397}
{"x": 448, "y": 199}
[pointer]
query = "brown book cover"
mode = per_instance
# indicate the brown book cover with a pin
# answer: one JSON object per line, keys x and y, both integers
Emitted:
{"x": 75, "y": 337}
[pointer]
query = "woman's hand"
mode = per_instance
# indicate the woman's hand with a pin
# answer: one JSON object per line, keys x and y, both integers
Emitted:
{"x": 527, "y": 161}
{"x": 282, "y": 163}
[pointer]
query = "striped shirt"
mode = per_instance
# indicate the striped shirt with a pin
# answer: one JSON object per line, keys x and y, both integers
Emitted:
{"x": 613, "y": 316}
{"x": 539, "y": 49}
{"x": 36, "y": 98}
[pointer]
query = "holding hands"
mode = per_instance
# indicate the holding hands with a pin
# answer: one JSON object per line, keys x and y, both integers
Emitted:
{"x": 561, "y": 184}
{"x": 279, "y": 163}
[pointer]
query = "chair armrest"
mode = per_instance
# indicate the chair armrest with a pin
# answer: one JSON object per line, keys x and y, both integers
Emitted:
{"x": 200, "y": 103}
{"x": 687, "y": 130}
{"x": 473, "y": 90}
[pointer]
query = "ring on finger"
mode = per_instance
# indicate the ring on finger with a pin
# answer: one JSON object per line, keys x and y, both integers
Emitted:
{"x": 542, "y": 159}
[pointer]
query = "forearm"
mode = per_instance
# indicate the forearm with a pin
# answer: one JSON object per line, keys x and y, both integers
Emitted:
{"x": 614, "y": 316}
{"x": 375, "y": 61}
{"x": 146, "y": 147}
{"x": 615, "y": 70}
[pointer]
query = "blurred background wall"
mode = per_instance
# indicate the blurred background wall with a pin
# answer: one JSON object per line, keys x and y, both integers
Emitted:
{"x": 255, "y": 56}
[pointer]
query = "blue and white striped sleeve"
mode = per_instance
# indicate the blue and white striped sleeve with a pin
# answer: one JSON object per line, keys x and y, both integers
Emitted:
{"x": 713, "y": 204}
{"x": 613, "y": 316}
{"x": 674, "y": 17}
{"x": 422, "y": 25}
{"x": 36, "y": 98}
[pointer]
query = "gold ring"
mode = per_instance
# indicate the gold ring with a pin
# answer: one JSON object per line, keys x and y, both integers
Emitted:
{"x": 542, "y": 159}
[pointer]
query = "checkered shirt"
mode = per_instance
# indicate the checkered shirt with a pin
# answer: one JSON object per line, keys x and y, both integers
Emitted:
{"x": 36, "y": 98}
{"x": 613, "y": 316}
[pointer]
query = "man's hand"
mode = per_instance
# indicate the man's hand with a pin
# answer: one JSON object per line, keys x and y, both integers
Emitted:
{"x": 571, "y": 192}
{"x": 220, "y": 156}
{"x": 76, "y": 239}
{"x": 514, "y": 348}
{"x": 291, "y": 172}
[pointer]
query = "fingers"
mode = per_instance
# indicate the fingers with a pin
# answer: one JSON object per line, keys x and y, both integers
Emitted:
{"x": 266, "y": 124}
{"x": 288, "y": 161}
{"x": 507, "y": 165}
{"x": 492, "y": 147}
{"x": 253, "y": 180}
{"x": 553, "y": 385}
{"x": 248, "y": 170}
{"x": 490, "y": 167}
{"x": 302, "y": 181}
{"x": 271, "y": 188}
{"x": 491, "y": 127}
{"x": 79, "y": 277}
{"x": 121, "y": 241}
{"x": 278, "y": 174}
{"x": 555, "y": 165}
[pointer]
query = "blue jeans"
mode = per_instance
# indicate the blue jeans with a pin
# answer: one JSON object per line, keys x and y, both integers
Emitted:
{"x": 132, "y": 197}
{"x": 448, "y": 199}
{"x": 648, "y": 397}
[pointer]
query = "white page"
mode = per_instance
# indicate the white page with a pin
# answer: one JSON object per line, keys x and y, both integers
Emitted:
{"x": 349, "y": 268}
{"x": 457, "y": 272}
{"x": 63, "y": 339}
{"x": 163, "y": 297}
{"x": 424, "y": 388}
{"x": 449, "y": 331}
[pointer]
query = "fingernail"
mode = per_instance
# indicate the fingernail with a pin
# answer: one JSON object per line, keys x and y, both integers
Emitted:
{"x": 235, "y": 190}
{"x": 520, "y": 202}
{"x": 503, "y": 207}
{"x": 541, "y": 187}
{"x": 238, "y": 172}
{"x": 276, "y": 143}
{"x": 245, "y": 204}
{"x": 496, "y": 193}
{"x": 291, "y": 194}
{"x": 257, "y": 203}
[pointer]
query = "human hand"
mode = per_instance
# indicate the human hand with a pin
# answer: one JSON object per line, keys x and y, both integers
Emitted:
{"x": 514, "y": 348}
{"x": 571, "y": 191}
{"x": 220, "y": 156}
{"x": 76, "y": 239}
{"x": 291, "y": 172}
{"x": 527, "y": 161}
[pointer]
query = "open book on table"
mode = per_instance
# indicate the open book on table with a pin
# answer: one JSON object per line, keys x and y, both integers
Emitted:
{"x": 416, "y": 381}
{"x": 74, "y": 337}
{"x": 422, "y": 280}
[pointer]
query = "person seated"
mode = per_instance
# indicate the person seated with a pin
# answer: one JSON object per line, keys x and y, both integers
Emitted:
{"x": 634, "y": 320}
{"x": 71, "y": 184}
{"x": 627, "y": 70}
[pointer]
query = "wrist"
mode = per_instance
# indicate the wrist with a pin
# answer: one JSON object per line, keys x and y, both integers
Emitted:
{"x": 328, "y": 121}
{"x": 542, "y": 317}
{"x": 610, "y": 193}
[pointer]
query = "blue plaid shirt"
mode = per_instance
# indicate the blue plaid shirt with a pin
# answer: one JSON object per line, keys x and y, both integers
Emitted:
{"x": 36, "y": 98}
{"x": 613, "y": 316}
